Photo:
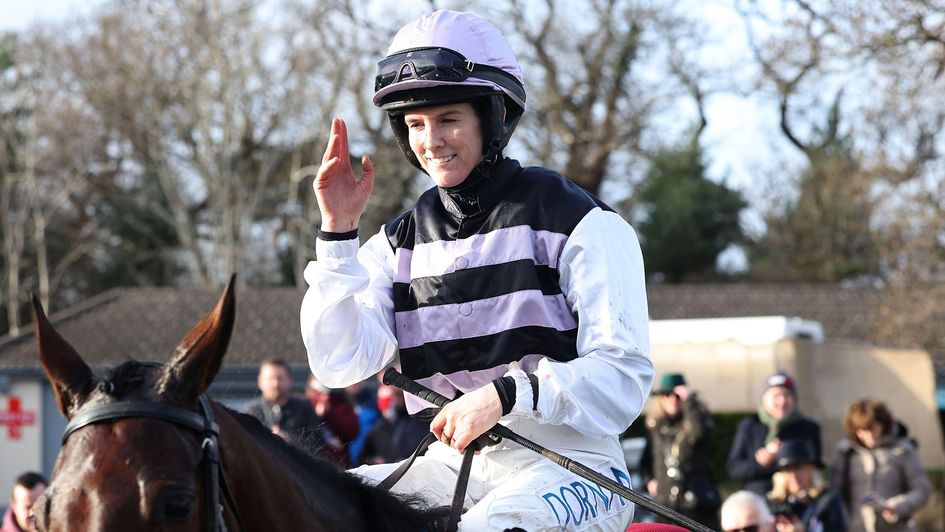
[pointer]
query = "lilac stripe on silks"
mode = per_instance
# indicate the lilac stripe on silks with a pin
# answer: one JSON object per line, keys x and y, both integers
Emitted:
{"x": 402, "y": 259}
{"x": 465, "y": 381}
{"x": 482, "y": 317}
{"x": 495, "y": 247}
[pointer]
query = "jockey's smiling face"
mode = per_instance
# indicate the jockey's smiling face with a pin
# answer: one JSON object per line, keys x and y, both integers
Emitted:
{"x": 447, "y": 140}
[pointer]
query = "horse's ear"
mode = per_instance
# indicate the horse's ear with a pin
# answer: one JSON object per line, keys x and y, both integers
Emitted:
{"x": 200, "y": 353}
{"x": 70, "y": 377}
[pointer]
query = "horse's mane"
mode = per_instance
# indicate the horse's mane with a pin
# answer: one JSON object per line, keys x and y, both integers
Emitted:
{"x": 384, "y": 510}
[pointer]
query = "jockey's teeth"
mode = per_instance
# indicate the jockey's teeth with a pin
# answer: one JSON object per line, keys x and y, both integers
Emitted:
{"x": 442, "y": 160}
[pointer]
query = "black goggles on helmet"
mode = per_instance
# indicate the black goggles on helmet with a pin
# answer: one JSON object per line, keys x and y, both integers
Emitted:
{"x": 440, "y": 64}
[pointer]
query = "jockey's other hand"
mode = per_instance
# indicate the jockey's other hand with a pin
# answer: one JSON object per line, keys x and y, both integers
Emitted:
{"x": 465, "y": 419}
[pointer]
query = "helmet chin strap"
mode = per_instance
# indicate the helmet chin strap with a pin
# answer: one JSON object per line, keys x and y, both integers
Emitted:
{"x": 480, "y": 173}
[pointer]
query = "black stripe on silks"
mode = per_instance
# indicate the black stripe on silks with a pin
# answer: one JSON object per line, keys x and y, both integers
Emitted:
{"x": 538, "y": 198}
{"x": 488, "y": 351}
{"x": 400, "y": 231}
{"x": 476, "y": 283}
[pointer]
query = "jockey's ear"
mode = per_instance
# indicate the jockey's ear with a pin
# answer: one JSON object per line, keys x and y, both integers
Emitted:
{"x": 200, "y": 353}
{"x": 70, "y": 377}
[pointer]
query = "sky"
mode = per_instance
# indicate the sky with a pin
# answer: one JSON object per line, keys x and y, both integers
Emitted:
{"x": 19, "y": 15}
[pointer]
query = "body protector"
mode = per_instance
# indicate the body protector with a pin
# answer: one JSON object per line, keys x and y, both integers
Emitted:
{"x": 451, "y": 57}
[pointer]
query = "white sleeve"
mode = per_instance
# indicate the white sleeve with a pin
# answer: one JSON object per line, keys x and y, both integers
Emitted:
{"x": 347, "y": 314}
{"x": 605, "y": 388}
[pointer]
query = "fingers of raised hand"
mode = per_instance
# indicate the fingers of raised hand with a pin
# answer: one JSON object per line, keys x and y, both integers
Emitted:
{"x": 337, "y": 142}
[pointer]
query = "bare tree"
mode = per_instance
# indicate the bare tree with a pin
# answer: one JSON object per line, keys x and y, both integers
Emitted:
{"x": 50, "y": 151}
{"x": 207, "y": 98}
{"x": 881, "y": 62}
{"x": 17, "y": 164}
{"x": 587, "y": 101}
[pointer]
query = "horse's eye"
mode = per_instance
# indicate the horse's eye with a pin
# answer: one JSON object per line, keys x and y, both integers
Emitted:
{"x": 178, "y": 507}
{"x": 175, "y": 506}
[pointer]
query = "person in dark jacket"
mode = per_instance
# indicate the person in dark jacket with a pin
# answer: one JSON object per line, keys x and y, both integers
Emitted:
{"x": 291, "y": 418}
{"x": 759, "y": 436}
{"x": 799, "y": 499}
{"x": 677, "y": 451}
{"x": 396, "y": 434}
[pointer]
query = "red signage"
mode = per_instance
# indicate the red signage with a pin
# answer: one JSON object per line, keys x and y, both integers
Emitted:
{"x": 14, "y": 418}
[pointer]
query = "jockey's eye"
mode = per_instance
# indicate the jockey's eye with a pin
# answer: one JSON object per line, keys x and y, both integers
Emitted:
{"x": 174, "y": 505}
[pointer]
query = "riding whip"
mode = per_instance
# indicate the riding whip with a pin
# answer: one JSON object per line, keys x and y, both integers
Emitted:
{"x": 393, "y": 378}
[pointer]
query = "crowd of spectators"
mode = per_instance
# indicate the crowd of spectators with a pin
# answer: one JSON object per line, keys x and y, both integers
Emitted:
{"x": 874, "y": 482}
{"x": 362, "y": 424}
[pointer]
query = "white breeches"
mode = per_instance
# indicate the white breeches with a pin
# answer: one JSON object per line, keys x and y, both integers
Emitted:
{"x": 513, "y": 487}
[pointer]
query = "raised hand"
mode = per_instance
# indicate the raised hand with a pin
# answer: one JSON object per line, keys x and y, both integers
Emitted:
{"x": 341, "y": 197}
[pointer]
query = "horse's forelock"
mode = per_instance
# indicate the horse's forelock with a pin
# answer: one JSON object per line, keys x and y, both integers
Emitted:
{"x": 125, "y": 378}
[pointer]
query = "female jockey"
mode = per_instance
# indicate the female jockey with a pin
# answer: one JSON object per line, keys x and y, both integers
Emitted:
{"x": 508, "y": 287}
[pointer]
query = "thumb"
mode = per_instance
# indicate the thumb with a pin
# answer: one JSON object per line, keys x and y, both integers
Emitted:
{"x": 438, "y": 423}
{"x": 368, "y": 172}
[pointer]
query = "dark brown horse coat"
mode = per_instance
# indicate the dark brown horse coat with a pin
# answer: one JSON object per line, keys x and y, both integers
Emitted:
{"x": 145, "y": 474}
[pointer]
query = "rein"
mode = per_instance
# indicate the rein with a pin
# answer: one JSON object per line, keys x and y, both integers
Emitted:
{"x": 202, "y": 423}
{"x": 394, "y": 378}
{"x": 462, "y": 480}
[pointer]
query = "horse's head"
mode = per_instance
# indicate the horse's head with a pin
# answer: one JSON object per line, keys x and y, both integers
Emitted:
{"x": 135, "y": 473}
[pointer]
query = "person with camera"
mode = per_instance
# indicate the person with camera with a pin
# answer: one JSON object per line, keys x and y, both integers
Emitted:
{"x": 799, "y": 499}
{"x": 674, "y": 462}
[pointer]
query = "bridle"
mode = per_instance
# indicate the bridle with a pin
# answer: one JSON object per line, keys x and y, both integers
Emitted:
{"x": 202, "y": 423}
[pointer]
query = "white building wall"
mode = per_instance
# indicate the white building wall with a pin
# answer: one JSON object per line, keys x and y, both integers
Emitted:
{"x": 26, "y": 452}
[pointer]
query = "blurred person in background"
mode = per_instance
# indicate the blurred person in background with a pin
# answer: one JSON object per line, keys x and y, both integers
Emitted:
{"x": 877, "y": 473}
{"x": 799, "y": 499}
{"x": 291, "y": 418}
{"x": 340, "y": 423}
{"x": 746, "y": 511}
{"x": 26, "y": 489}
{"x": 674, "y": 463}
{"x": 396, "y": 434}
{"x": 760, "y": 435}
{"x": 363, "y": 395}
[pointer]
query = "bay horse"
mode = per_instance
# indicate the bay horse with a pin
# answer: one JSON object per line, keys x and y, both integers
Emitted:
{"x": 140, "y": 439}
